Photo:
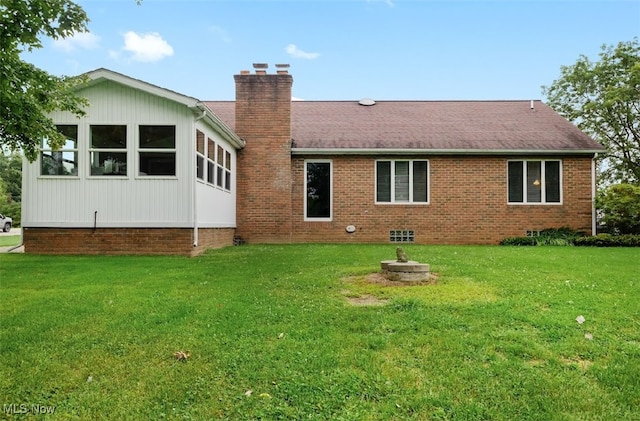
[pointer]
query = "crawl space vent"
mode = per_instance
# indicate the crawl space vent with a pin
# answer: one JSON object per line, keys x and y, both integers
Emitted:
{"x": 401, "y": 236}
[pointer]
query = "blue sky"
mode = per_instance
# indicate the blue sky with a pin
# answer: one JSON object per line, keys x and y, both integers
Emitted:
{"x": 345, "y": 49}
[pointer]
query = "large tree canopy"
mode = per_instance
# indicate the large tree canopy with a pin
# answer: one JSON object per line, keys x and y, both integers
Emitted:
{"x": 603, "y": 99}
{"x": 27, "y": 93}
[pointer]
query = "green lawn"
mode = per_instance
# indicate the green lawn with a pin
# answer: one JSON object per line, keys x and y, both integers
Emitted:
{"x": 272, "y": 335}
{"x": 10, "y": 240}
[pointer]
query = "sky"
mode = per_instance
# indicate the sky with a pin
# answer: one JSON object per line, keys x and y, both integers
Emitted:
{"x": 345, "y": 49}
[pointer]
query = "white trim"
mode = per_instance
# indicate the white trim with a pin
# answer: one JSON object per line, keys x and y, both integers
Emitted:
{"x": 95, "y": 76}
{"x": 319, "y": 161}
{"x": 543, "y": 166}
{"x": 393, "y": 166}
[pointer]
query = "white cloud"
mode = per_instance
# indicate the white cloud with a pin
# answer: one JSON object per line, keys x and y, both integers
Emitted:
{"x": 294, "y": 51}
{"x": 146, "y": 47}
{"x": 78, "y": 41}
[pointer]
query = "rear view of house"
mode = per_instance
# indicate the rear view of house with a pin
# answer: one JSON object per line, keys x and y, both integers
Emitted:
{"x": 147, "y": 166}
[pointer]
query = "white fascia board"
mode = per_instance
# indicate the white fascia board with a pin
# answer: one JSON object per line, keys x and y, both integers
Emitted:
{"x": 364, "y": 151}
{"x": 218, "y": 125}
{"x": 96, "y": 76}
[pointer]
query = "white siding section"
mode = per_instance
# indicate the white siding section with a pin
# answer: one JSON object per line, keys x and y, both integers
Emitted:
{"x": 131, "y": 201}
{"x": 215, "y": 206}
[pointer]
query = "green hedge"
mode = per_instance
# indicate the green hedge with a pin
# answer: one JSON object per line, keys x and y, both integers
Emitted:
{"x": 569, "y": 237}
{"x": 609, "y": 240}
{"x": 548, "y": 237}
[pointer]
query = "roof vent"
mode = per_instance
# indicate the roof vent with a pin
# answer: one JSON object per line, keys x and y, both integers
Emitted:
{"x": 366, "y": 101}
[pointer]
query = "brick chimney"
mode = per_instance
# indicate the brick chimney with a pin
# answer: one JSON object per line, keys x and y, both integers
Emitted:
{"x": 263, "y": 121}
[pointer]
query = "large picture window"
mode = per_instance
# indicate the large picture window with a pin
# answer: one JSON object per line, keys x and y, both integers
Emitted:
{"x": 157, "y": 150}
{"x": 108, "y": 150}
{"x": 534, "y": 181}
{"x": 63, "y": 161}
{"x": 318, "y": 188}
{"x": 402, "y": 181}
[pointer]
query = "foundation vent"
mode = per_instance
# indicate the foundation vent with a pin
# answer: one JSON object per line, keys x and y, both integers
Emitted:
{"x": 401, "y": 236}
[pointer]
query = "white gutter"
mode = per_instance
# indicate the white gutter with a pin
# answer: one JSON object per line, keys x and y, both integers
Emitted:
{"x": 194, "y": 190}
{"x": 594, "y": 224}
{"x": 382, "y": 151}
{"x": 220, "y": 126}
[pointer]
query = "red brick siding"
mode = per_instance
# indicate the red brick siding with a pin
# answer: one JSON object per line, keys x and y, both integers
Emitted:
{"x": 140, "y": 241}
{"x": 468, "y": 203}
{"x": 263, "y": 120}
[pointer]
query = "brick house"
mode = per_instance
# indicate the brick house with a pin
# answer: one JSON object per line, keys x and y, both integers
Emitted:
{"x": 428, "y": 172}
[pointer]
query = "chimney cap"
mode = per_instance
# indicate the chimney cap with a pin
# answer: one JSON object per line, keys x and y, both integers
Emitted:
{"x": 260, "y": 65}
{"x": 283, "y": 66}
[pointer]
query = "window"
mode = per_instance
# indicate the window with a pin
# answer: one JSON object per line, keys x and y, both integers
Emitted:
{"x": 402, "y": 181}
{"x": 227, "y": 172}
{"x": 318, "y": 200}
{"x": 63, "y": 161}
{"x": 108, "y": 150}
{"x": 157, "y": 150}
{"x": 211, "y": 161}
{"x": 200, "y": 154}
{"x": 220, "y": 167}
{"x": 534, "y": 182}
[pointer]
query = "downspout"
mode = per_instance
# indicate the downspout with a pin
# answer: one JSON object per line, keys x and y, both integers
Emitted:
{"x": 194, "y": 185}
{"x": 594, "y": 228}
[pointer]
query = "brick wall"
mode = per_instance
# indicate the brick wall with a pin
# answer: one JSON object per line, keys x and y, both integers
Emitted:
{"x": 263, "y": 120}
{"x": 141, "y": 241}
{"x": 468, "y": 203}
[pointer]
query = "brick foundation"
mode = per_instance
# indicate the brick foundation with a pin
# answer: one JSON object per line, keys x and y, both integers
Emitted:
{"x": 124, "y": 241}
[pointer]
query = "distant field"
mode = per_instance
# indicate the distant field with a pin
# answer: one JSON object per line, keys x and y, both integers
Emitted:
{"x": 272, "y": 332}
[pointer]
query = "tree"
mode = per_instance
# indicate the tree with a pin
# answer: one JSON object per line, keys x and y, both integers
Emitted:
{"x": 10, "y": 185}
{"x": 27, "y": 93}
{"x": 603, "y": 99}
{"x": 620, "y": 208}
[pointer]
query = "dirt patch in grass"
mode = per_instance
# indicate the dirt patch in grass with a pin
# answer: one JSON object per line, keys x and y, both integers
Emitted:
{"x": 366, "y": 300}
{"x": 578, "y": 362}
{"x": 378, "y": 278}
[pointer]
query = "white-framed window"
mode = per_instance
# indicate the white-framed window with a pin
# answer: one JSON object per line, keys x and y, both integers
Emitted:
{"x": 157, "y": 150}
{"x": 200, "y": 169}
{"x": 227, "y": 170}
{"x": 318, "y": 198}
{"x": 402, "y": 181}
{"x": 63, "y": 161}
{"x": 219, "y": 166}
{"x": 108, "y": 149}
{"x": 211, "y": 161}
{"x": 534, "y": 181}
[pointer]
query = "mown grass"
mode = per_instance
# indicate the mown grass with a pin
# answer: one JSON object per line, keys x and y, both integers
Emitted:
{"x": 272, "y": 336}
{"x": 10, "y": 240}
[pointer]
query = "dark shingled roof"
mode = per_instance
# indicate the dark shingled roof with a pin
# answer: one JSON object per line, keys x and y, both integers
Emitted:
{"x": 438, "y": 126}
